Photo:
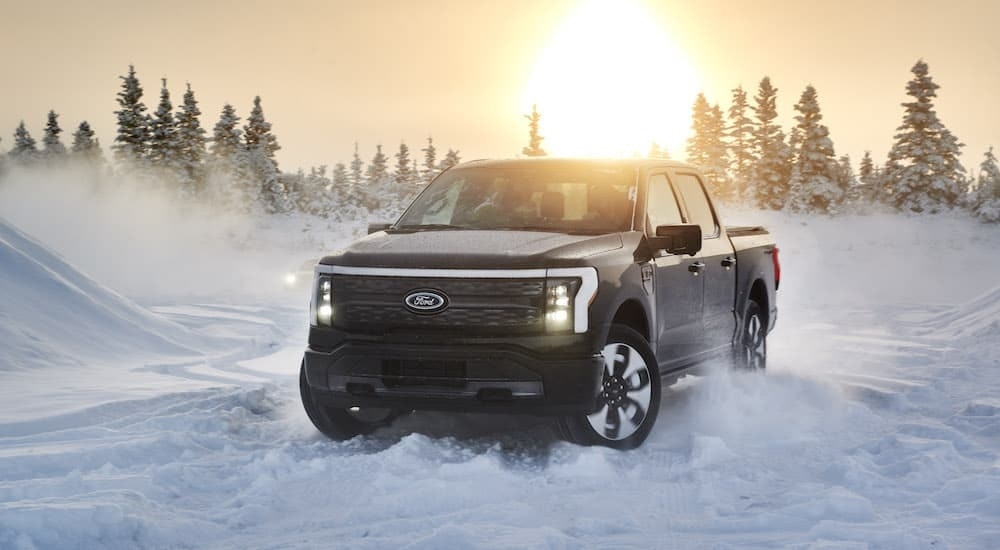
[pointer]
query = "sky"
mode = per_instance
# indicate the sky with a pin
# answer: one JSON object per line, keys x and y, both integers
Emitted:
{"x": 609, "y": 76}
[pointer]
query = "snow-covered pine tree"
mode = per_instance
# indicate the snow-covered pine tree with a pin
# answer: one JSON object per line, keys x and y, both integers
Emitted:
{"x": 847, "y": 180}
{"x": 451, "y": 158}
{"x": 85, "y": 147}
{"x": 53, "y": 149}
{"x": 430, "y": 170}
{"x": 814, "y": 185}
{"x": 378, "y": 168}
{"x": 340, "y": 177}
{"x": 357, "y": 168}
{"x": 866, "y": 179}
{"x": 739, "y": 136}
{"x": 191, "y": 144}
{"x": 225, "y": 150}
{"x": 403, "y": 173}
{"x": 133, "y": 123}
{"x": 260, "y": 145}
{"x": 772, "y": 166}
{"x": 225, "y": 142}
{"x": 164, "y": 146}
{"x": 534, "y": 147}
{"x": 25, "y": 150}
{"x": 924, "y": 173}
{"x": 986, "y": 199}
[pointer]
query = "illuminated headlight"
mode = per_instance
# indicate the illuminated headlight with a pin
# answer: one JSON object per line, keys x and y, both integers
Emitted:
{"x": 290, "y": 279}
{"x": 559, "y": 297}
{"x": 322, "y": 302}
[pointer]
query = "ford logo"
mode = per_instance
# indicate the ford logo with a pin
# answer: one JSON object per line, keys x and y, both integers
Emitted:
{"x": 425, "y": 301}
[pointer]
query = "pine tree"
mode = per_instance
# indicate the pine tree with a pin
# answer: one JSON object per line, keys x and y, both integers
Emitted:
{"x": 924, "y": 174}
{"x": 534, "y": 147}
{"x": 340, "y": 177}
{"x": 698, "y": 142}
{"x": 403, "y": 173}
{"x": 814, "y": 183}
{"x": 378, "y": 169}
{"x": 225, "y": 142}
{"x": 85, "y": 147}
{"x": 771, "y": 171}
{"x": 357, "y": 168}
{"x": 430, "y": 161}
{"x": 451, "y": 159}
{"x": 164, "y": 147}
{"x": 260, "y": 145}
{"x": 24, "y": 151}
{"x": 867, "y": 179}
{"x": 986, "y": 199}
{"x": 740, "y": 141}
{"x": 191, "y": 142}
{"x": 54, "y": 149}
{"x": 133, "y": 124}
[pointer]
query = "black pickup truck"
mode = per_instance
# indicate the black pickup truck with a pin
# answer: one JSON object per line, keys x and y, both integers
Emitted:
{"x": 570, "y": 288}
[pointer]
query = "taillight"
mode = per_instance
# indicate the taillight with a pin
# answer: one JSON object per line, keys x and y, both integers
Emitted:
{"x": 777, "y": 267}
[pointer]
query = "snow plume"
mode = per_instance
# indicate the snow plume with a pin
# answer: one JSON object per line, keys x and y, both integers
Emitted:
{"x": 141, "y": 239}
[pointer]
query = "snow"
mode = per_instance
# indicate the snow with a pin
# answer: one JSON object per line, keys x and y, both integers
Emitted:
{"x": 140, "y": 412}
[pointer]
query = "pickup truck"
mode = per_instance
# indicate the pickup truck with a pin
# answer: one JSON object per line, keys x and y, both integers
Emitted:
{"x": 561, "y": 287}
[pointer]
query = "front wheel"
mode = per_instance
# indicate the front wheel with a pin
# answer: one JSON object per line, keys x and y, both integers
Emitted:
{"x": 628, "y": 399}
{"x": 750, "y": 349}
{"x": 341, "y": 424}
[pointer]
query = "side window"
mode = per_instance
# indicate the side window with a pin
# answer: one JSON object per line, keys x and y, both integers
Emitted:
{"x": 661, "y": 206}
{"x": 697, "y": 204}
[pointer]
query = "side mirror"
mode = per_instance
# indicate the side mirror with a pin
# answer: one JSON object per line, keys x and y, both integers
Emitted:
{"x": 376, "y": 227}
{"x": 683, "y": 238}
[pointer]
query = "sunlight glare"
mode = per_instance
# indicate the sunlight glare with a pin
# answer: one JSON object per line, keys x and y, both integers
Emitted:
{"x": 610, "y": 82}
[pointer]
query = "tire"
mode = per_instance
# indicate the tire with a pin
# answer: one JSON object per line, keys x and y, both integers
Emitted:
{"x": 341, "y": 424}
{"x": 750, "y": 348}
{"x": 629, "y": 397}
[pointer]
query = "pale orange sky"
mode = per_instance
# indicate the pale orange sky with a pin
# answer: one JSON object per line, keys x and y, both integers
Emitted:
{"x": 331, "y": 73}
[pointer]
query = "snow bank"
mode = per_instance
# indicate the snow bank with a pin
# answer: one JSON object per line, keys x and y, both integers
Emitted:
{"x": 52, "y": 313}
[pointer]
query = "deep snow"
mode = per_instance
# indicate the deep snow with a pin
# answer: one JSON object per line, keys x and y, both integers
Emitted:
{"x": 876, "y": 426}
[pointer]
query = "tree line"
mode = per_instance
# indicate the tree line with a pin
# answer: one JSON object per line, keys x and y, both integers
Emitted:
{"x": 234, "y": 166}
{"x": 744, "y": 153}
{"x": 747, "y": 157}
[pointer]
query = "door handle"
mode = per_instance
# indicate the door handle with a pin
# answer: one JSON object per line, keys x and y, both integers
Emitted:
{"x": 728, "y": 262}
{"x": 696, "y": 268}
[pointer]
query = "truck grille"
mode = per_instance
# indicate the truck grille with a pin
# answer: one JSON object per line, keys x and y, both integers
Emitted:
{"x": 375, "y": 303}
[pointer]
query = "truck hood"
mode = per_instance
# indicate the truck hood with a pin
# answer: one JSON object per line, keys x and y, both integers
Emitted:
{"x": 473, "y": 249}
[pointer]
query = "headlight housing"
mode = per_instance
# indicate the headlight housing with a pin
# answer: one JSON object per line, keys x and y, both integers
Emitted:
{"x": 321, "y": 305}
{"x": 560, "y": 298}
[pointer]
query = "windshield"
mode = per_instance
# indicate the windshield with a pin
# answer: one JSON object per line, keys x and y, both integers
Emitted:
{"x": 575, "y": 199}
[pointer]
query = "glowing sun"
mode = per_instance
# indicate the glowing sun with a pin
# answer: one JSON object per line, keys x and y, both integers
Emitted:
{"x": 610, "y": 82}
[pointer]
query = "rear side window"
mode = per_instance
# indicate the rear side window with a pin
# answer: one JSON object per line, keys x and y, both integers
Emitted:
{"x": 662, "y": 208}
{"x": 697, "y": 204}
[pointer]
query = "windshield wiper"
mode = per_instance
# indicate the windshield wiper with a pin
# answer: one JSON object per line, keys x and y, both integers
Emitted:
{"x": 426, "y": 227}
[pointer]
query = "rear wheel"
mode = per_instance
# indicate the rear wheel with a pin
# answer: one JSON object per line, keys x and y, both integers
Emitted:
{"x": 338, "y": 423}
{"x": 629, "y": 397}
{"x": 751, "y": 346}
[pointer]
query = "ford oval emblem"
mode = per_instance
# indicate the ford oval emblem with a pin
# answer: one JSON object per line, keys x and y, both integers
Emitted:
{"x": 425, "y": 301}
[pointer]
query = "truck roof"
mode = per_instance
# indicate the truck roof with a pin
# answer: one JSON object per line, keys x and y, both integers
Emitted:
{"x": 543, "y": 162}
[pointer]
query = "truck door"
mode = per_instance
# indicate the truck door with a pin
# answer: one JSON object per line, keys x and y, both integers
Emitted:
{"x": 678, "y": 291}
{"x": 717, "y": 258}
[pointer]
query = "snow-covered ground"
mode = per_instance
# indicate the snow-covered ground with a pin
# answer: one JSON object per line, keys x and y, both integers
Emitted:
{"x": 164, "y": 413}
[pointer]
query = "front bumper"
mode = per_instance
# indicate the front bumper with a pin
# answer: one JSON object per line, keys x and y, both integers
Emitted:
{"x": 492, "y": 377}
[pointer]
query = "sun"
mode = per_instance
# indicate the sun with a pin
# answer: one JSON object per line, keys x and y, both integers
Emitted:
{"x": 610, "y": 82}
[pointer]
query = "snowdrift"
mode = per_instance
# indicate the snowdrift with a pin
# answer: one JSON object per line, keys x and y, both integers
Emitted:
{"x": 52, "y": 313}
{"x": 976, "y": 318}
